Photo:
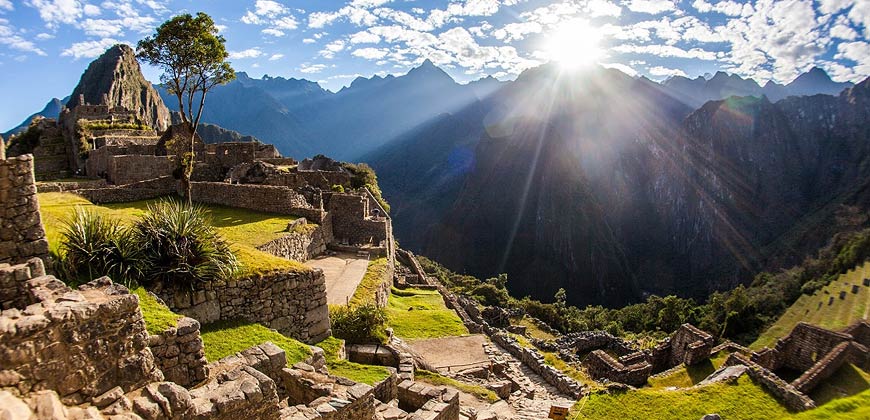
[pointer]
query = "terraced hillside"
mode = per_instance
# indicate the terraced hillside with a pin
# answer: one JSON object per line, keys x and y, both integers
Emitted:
{"x": 835, "y": 306}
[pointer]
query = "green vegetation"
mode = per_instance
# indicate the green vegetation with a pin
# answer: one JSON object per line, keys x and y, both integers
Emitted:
{"x": 740, "y": 314}
{"x": 532, "y": 329}
{"x": 816, "y": 310}
{"x": 850, "y": 408}
{"x": 364, "y": 176}
{"x": 243, "y": 229}
{"x": 368, "y": 374}
{"x": 93, "y": 245}
{"x": 846, "y": 381}
{"x": 687, "y": 376}
{"x": 376, "y": 274}
{"x": 437, "y": 379}
{"x": 26, "y": 141}
{"x": 158, "y": 317}
{"x": 358, "y": 324}
{"x": 108, "y": 125}
{"x": 420, "y": 314}
{"x": 743, "y": 400}
{"x": 225, "y": 338}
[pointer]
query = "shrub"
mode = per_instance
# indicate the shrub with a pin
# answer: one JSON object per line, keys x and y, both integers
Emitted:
{"x": 362, "y": 175}
{"x": 338, "y": 188}
{"x": 93, "y": 245}
{"x": 180, "y": 246}
{"x": 358, "y": 324}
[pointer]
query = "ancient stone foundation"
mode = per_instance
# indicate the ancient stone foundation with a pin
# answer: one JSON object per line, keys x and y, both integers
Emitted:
{"x": 294, "y": 303}
{"x": 179, "y": 353}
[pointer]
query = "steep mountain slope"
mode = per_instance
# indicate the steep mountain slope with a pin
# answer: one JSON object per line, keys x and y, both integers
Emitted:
{"x": 116, "y": 74}
{"x": 573, "y": 185}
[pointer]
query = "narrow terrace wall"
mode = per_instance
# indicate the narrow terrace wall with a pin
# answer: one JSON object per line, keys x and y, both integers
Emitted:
{"x": 292, "y": 303}
{"x": 310, "y": 242}
{"x": 265, "y": 198}
{"x": 21, "y": 233}
{"x": 787, "y": 394}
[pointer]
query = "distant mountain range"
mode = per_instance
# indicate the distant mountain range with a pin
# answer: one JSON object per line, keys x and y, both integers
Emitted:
{"x": 610, "y": 186}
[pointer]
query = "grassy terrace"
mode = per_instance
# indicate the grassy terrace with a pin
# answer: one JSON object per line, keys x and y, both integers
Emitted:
{"x": 421, "y": 314}
{"x": 365, "y": 292}
{"x": 222, "y": 339}
{"x": 687, "y": 376}
{"x": 244, "y": 229}
{"x": 368, "y": 374}
{"x": 158, "y": 317}
{"x": 437, "y": 379}
{"x": 815, "y": 309}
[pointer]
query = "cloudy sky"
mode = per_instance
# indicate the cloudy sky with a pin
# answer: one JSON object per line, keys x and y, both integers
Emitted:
{"x": 46, "y": 44}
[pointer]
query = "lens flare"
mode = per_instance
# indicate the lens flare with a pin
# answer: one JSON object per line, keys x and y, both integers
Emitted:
{"x": 574, "y": 44}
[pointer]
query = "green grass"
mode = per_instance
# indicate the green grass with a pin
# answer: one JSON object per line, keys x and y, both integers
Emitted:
{"x": 158, "y": 317}
{"x": 744, "y": 400}
{"x": 421, "y": 314}
{"x": 687, "y": 376}
{"x": 578, "y": 375}
{"x": 437, "y": 379}
{"x": 815, "y": 310}
{"x": 368, "y": 374}
{"x": 846, "y": 381}
{"x": 856, "y": 407}
{"x": 374, "y": 277}
{"x": 225, "y": 338}
{"x": 532, "y": 330}
{"x": 244, "y": 229}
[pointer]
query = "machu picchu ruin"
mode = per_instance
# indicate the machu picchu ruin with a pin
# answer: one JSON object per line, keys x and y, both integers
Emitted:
{"x": 574, "y": 243}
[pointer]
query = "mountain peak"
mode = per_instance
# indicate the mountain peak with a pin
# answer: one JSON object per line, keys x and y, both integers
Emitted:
{"x": 116, "y": 75}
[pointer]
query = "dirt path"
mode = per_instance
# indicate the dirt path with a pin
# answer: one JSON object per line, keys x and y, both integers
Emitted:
{"x": 453, "y": 353}
{"x": 343, "y": 274}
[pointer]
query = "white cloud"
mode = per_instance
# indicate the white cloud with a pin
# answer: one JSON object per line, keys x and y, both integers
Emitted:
{"x": 667, "y": 72}
{"x": 517, "y": 31}
{"x": 621, "y": 67}
{"x": 357, "y": 15}
{"x": 652, "y": 7}
{"x": 370, "y": 53}
{"x": 859, "y": 53}
{"x": 9, "y": 38}
{"x": 44, "y": 36}
{"x": 248, "y": 53}
{"x": 6, "y": 5}
{"x": 364, "y": 37}
{"x": 276, "y": 57}
{"x": 277, "y": 18}
{"x": 91, "y": 10}
{"x": 311, "y": 68}
{"x": 666, "y": 51}
{"x": 332, "y": 48}
{"x": 89, "y": 49}
{"x": 308, "y": 41}
{"x": 55, "y": 12}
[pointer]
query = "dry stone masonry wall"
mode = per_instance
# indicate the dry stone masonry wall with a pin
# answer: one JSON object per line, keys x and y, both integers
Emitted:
{"x": 294, "y": 303}
{"x": 21, "y": 233}
{"x": 179, "y": 353}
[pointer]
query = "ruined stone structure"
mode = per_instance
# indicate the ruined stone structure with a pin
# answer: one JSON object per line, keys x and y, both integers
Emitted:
{"x": 21, "y": 233}
{"x": 686, "y": 346}
{"x": 292, "y": 303}
{"x": 179, "y": 353}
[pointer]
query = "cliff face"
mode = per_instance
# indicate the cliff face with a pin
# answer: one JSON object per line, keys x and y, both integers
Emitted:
{"x": 116, "y": 74}
{"x": 610, "y": 188}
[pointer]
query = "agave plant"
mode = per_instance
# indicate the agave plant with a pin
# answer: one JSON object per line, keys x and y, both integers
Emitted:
{"x": 181, "y": 246}
{"x": 93, "y": 245}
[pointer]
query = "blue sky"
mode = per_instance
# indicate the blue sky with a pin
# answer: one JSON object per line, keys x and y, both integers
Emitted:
{"x": 46, "y": 44}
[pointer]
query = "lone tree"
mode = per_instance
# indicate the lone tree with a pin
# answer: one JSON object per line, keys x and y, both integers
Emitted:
{"x": 193, "y": 58}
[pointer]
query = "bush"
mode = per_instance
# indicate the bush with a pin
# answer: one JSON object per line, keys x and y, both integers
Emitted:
{"x": 180, "y": 246}
{"x": 358, "y": 324}
{"x": 93, "y": 246}
{"x": 364, "y": 176}
{"x": 338, "y": 188}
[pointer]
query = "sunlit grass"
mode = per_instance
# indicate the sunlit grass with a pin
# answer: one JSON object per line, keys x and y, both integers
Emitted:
{"x": 374, "y": 277}
{"x": 687, "y": 376}
{"x": 243, "y": 229}
{"x": 437, "y": 379}
{"x": 157, "y": 316}
{"x": 367, "y": 374}
{"x": 225, "y": 338}
{"x": 422, "y": 314}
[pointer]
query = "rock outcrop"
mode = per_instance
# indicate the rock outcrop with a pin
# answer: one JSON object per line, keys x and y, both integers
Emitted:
{"x": 117, "y": 75}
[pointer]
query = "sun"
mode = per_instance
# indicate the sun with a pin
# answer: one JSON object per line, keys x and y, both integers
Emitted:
{"x": 574, "y": 44}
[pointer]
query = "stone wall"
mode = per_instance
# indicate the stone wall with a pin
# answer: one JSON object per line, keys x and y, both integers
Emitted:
{"x": 13, "y": 287}
{"x": 127, "y": 169}
{"x": 313, "y": 395}
{"x": 82, "y": 184}
{"x": 785, "y": 393}
{"x": 21, "y": 233}
{"x": 535, "y": 361}
{"x": 281, "y": 200}
{"x": 689, "y": 345}
{"x": 179, "y": 353}
{"x": 824, "y": 368}
{"x": 426, "y": 402}
{"x": 601, "y": 366}
{"x": 294, "y": 303}
{"x": 79, "y": 343}
{"x": 806, "y": 344}
{"x": 144, "y": 190}
{"x": 302, "y": 242}
{"x": 353, "y": 223}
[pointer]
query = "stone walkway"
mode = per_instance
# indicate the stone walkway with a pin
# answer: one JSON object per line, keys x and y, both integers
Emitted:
{"x": 535, "y": 396}
{"x": 343, "y": 274}
{"x": 453, "y": 353}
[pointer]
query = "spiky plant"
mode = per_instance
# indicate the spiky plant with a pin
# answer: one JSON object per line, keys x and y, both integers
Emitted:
{"x": 181, "y": 246}
{"x": 93, "y": 245}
